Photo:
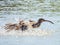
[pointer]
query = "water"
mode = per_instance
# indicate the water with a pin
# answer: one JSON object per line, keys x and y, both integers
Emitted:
{"x": 11, "y": 11}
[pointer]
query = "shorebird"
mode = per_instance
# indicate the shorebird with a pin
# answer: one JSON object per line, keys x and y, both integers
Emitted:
{"x": 25, "y": 26}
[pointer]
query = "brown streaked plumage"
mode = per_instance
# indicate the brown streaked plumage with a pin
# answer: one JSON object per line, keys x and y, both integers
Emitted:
{"x": 11, "y": 27}
{"x": 21, "y": 25}
{"x": 24, "y": 27}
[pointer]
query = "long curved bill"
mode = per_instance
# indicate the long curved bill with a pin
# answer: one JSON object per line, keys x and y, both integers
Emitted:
{"x": 49, "y": 21}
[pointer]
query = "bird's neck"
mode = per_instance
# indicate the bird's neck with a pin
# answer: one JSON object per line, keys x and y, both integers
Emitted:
{"x": 36, "y": 24}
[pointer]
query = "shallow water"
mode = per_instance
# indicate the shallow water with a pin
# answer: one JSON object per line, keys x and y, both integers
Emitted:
{"x": 46, "y": 34}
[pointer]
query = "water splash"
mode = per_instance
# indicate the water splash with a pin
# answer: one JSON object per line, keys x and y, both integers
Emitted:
{"x": 27, "y": 33}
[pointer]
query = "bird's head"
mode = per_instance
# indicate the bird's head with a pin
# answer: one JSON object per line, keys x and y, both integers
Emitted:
{"x": 43, "y": 20}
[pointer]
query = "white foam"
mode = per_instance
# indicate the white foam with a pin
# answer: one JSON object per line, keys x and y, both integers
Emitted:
{"x": 27, "y": 33}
